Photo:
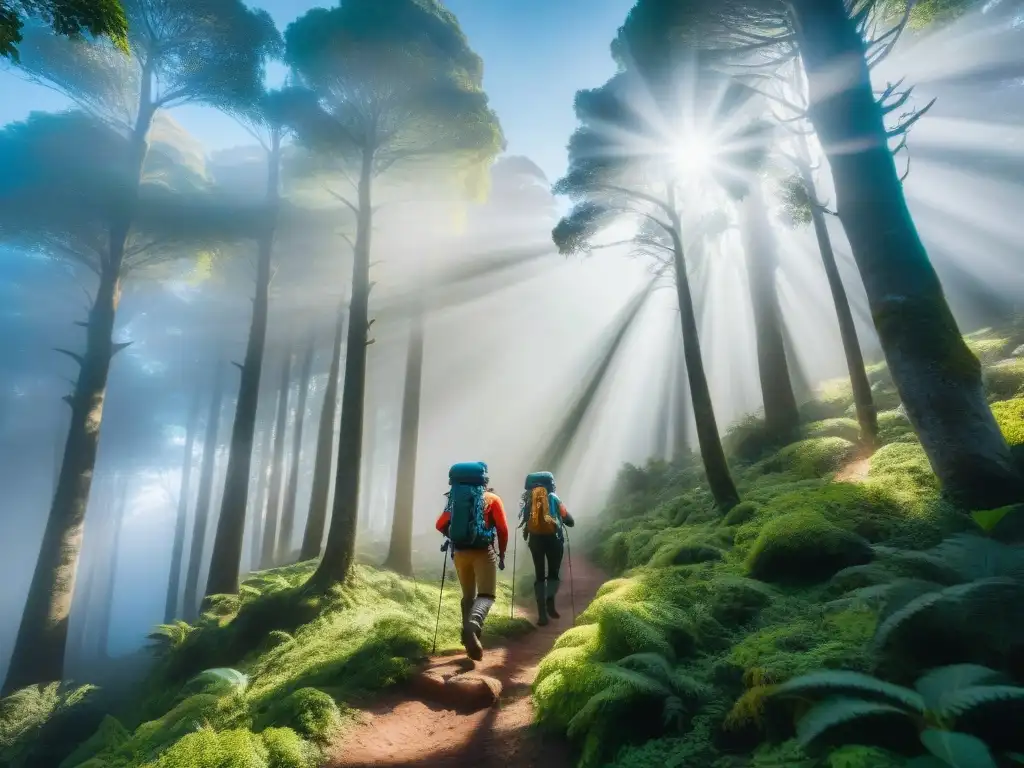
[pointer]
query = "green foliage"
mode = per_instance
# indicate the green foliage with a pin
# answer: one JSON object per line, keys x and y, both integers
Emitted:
{"x": 64, "y": 17}
{"x": 42, "y": 724}
{"x": 847, "y": 429}
{"x": 795, "y": 202}
{"x": 419, "y": 84}
{"x": 855, "y": 708}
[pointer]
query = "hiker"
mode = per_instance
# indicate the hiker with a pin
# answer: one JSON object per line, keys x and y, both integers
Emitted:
{"x": 542, "y": 517}
{"x": 472, "y": 519}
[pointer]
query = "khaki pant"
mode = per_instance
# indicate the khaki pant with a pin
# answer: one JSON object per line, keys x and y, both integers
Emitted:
{"x": 478, "y": 572}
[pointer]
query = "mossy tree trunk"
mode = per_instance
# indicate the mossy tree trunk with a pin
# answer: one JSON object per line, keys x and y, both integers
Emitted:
{"x": 269, "y": 543}
{"x": 284, "y": 540}
{"x": 39, "y": 648}
{"x": 339, "y": 552}
{"x": 863, "y": 400}
{"x": 723, "y": 489}
{"x": 937, "y": 376}
{"x": 204, "y": 497}
{"x": 319, "y": 497}
{"x": 226, "y": 561}
{"x": 399, "y": 557}
{"x": 782, "y": 418}
{"x": 173, "y": 599}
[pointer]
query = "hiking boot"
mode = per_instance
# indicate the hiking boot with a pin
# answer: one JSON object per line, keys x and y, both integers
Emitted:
{"x": 467, "y": 630}
{"x": 477, "y": 617}
{"x": 552, "y": 590}
{"x": 542, "y": 608}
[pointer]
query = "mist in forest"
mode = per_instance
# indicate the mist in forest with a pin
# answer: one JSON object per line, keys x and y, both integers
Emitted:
{"x": 519, "y": 345}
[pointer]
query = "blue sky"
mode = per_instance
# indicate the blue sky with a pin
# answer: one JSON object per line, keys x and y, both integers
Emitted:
{"x": 537, "y": 54}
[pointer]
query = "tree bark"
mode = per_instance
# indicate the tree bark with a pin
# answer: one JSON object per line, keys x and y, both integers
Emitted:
{"x": 269, "y": 543}
{"x": 204, "y": 498}
{"x": 937, "y": 376}
{"x": 399, "y": 557}
{"x": 173, "y": 599}
{"x": 339, "y": 553}
{"x": 106, "y": 611}
{"x": 319, "y": 497}
{"x": 682, "y": 404}
{"x": 38, "y": 654}
{"x": 864, "y": 402}
{"x": 226, "y": 561}
{"x": 723, "y": 489}
{"x": 781, "y": 416}
{"x": 284, "y": 541}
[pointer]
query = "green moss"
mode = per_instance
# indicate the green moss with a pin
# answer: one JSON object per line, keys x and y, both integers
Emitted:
{"x": 43, "y": 724}
{"x": 1005, "y": 380}
{"x": 309, "y": 712}
{"x": 207, "y": 748}
{"x": 804, "y": 547}
{"x": 285, "y": 749}
{"x": 107, "y": 738}
{"x": 742, "y": 513}
{"x": 863, "y": 757}
{"x": 988, "y": 346}
{"x": 812, "y": 458}
{"x": 847, "y": 429}
{"x": 1009, "y": 416}
{"x": 894, "y": 426}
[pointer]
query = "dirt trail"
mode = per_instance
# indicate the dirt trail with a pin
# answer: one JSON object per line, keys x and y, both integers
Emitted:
{"x": 401, "y": 731}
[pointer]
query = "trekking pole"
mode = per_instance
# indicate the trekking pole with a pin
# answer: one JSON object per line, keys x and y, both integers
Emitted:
{"x": 444, "y": 572}
{"x": 572, "y": 595}
{"x": 512, "y": 605}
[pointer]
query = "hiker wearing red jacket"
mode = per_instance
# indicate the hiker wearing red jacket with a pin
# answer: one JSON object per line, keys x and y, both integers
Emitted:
{"x": 474, "y": 522}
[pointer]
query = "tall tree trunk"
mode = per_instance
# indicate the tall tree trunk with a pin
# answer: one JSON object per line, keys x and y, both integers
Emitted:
{"x": 682, "y": 403}
{"x": 723, "y": 489}
{"x": 106, "y": 612}
{"x": 319, "y": 497}
{"x": 937, "y": 376}
{"x": 284, "y": 542}
{"x": 38, "y": 654}
{"x": 339, "y": 552}
{"x": 269, "y": 543}
{"x": 262, "y": 479}
{"x": 204, "y": 498}
{"x": 226, "y": 561}
{"x": 864, "y": 402}
{"x": 399, "y": 557}
{"x": 781, "y": 416}
{"x": 173, "y": 599}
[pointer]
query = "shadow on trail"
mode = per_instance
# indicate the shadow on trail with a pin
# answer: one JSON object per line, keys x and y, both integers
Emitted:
{"x": 402, "y": 731}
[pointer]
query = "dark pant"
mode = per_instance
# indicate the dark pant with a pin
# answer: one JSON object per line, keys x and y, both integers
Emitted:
{"x": 546, "y": 550}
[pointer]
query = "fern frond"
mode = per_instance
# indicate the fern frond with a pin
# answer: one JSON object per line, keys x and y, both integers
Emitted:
{"x": 939, "y": 684}
{"x": 818, "y": 727}
{"x": 980, "y": 557}
{"x": 925, "y": 565}
{"x": 651, "y": 664}
{"x": 845, "y": 683}
{"x": 606, "y": 703}
{"x": 961, "y": 702}
{"x": 902, "y": 592}
{"x": 636, "y": 682}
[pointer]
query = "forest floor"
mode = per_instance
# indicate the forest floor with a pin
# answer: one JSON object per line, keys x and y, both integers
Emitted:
{"x": 398, "y": 730}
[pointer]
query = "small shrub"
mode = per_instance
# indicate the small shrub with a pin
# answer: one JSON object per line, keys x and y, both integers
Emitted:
{"x": 309, "y": 712}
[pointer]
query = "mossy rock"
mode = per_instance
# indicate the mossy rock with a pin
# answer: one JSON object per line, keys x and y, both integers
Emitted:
{"x": 685, "y": 553}
{"x": 847, "y": 429}
{"x": 894, "y": 426}
{"x": 804, "y": 547}
{"x": 812, "y": 458}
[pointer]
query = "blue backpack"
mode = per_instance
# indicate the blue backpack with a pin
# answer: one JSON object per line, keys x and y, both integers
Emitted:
{"x": 467, "y": 528}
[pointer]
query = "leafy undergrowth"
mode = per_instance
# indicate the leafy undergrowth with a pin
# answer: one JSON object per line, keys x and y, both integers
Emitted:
{"x": 675, "y": 662}
{"x": 263, "y": 680}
